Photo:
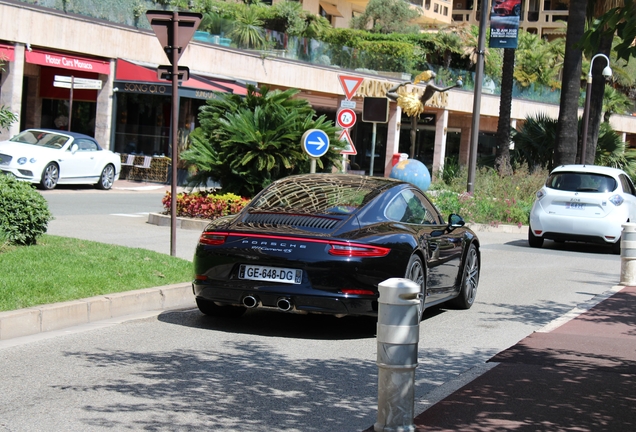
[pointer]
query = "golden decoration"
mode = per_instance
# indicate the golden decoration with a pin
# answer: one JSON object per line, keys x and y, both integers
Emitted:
{"x": 410, "y": 104}
{"x": 424, "y": 76}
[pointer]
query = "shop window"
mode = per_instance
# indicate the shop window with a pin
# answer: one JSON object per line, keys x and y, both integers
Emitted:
{"x": 55, "y": 115}
{"x": 436, "y": 8}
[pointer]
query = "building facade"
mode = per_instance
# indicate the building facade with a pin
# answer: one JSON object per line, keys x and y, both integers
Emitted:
{"x": 130, "y": 112}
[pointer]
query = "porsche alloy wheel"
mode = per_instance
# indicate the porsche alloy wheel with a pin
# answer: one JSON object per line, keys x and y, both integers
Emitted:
{"x": 50, "y": 176}
{"x": 470, "y": 280}
{"x": 415, "y": 273}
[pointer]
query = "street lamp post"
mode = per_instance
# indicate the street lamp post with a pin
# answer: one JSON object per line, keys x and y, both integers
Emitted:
{"x": 607, "y": 72}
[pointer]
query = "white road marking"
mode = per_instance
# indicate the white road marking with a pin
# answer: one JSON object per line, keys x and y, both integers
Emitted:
{"x": 135, "y": 215}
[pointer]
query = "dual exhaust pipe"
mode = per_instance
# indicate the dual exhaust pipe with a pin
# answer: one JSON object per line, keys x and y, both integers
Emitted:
{"x": 283, "y": 303}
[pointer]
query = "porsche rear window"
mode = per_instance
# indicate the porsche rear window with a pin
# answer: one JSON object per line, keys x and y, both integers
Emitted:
{"x": 581, "y": 182}
{"x": 328, "y": 195}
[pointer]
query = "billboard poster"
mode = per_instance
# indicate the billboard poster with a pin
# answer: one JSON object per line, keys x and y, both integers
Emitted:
{"x": 504, "y": 23}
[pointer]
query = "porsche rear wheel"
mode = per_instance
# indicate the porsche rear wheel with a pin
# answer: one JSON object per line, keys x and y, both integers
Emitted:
{"x": 210, "y": 308}
{"x": 50, "y": 176}
{"x": 470, "y": 280}
{"x": 415, "y": 273}
{"x": 107, "y": 178}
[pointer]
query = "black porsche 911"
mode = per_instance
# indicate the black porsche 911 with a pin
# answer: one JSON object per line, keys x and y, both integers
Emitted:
{"x": 321, "y": 243}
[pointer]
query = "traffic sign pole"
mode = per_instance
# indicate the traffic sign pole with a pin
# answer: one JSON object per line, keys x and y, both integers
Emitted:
{"x": 166, "y": 26}
{"x": 315, "y": 143}
{"x": 175, "y": 130}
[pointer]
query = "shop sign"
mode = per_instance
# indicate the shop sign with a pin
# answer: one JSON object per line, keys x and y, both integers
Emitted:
{"x": 63, "y": 61}
{"x": 142, "y": 88}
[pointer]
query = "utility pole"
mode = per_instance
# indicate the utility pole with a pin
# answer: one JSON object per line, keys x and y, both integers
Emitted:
{"x": 479, "y": 74}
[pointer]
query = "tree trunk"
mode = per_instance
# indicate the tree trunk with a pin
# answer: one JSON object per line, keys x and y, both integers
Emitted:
{"x": 565, "y": 149}
{"x": 596, "y": 101}
{"x": 502, "y": 162}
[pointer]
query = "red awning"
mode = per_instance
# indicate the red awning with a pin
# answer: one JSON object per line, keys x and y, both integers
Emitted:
{"x": 67, "y": 61}
{"x": 6, "y": 52}
{"x": 129, "y": 71}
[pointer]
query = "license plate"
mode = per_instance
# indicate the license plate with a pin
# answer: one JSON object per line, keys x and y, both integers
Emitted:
{"x": 270, "y": 274}
{"x": 574, "y": 206}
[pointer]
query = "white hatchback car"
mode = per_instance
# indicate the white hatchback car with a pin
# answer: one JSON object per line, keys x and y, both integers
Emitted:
{"x": 584, "y": 203}
{"x": 51, "y": 157}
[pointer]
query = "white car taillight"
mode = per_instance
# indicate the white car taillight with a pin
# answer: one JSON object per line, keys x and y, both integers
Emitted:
{"x": 616, "y": 200}
{"x": 540, "y": 194}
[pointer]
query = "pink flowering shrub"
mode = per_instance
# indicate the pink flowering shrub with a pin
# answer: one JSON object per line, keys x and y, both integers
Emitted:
{"x": 205, "y": 205}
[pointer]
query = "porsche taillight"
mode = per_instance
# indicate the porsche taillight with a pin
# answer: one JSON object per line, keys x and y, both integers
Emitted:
{"x": 213, "y": 238}
{"x": 357, "y": 250}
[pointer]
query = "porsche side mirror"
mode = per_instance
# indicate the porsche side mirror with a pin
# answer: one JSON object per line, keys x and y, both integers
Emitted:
{"x": 455, "y": 221}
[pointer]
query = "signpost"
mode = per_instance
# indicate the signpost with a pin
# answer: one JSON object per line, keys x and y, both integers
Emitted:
{"x": 346, "y": 116}
{"x": 350, "y": 149}
{"x": 70, "y": 82}
{"x": 174, "y": 30}
{"x": 315, "y": 143}
{"x": 375, "y": 110}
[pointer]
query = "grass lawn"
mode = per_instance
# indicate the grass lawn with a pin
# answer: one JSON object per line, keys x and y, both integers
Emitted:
{"x": 60, "y": 269}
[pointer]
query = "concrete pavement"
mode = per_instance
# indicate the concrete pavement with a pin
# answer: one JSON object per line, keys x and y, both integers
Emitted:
{"x": 576, "y": 374}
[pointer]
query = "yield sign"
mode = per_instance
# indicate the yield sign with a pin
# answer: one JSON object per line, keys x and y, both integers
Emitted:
{"x": 350, "y": 148}
{"x": 163, "y": 23}
{"x": 350, "y": 84}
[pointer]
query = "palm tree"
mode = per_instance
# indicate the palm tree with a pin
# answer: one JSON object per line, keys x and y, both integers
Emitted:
{"x": 565, "y": 151}
{"x": 536, "y": 141}
{"x": 615, "y": 102}
{"x": 502, "y": 163}
{"x": 596, "y": 9}
{"x": 611, "y": 151}
{"x": 247, "y": 31}
{"x": 246, "y": 143}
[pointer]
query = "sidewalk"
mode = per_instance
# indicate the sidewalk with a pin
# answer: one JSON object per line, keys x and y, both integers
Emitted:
{"x": 576, "y": 375}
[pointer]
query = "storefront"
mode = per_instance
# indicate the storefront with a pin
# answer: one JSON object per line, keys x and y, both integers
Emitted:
{"x": 54, "y": 103}
{"x": 142, "y": 110}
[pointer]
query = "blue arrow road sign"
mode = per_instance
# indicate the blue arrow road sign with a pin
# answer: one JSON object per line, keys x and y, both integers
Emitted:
{"x": 315, "y": 143}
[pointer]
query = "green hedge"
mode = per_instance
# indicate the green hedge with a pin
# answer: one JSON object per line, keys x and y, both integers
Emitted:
{"x": 24, "y": 213}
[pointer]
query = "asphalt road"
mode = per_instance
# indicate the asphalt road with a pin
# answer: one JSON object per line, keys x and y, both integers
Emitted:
{"x": 270, "y": 371}
{"x": 118, "y": 216}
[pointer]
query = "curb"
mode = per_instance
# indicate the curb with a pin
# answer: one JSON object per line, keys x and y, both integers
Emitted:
{"x": 200, "y": 224}
{"x": 56, "y": 316}
{"x": 500, "y": 228}
{"x": 183, "y": 223}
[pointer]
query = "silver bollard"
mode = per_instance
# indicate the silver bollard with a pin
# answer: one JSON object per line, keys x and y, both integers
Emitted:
{"x": 398, "y": 334}
{"x": 628, "y": 255}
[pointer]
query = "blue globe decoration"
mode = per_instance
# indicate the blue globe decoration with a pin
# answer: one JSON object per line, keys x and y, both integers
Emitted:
{"x": 412, "y": 171}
